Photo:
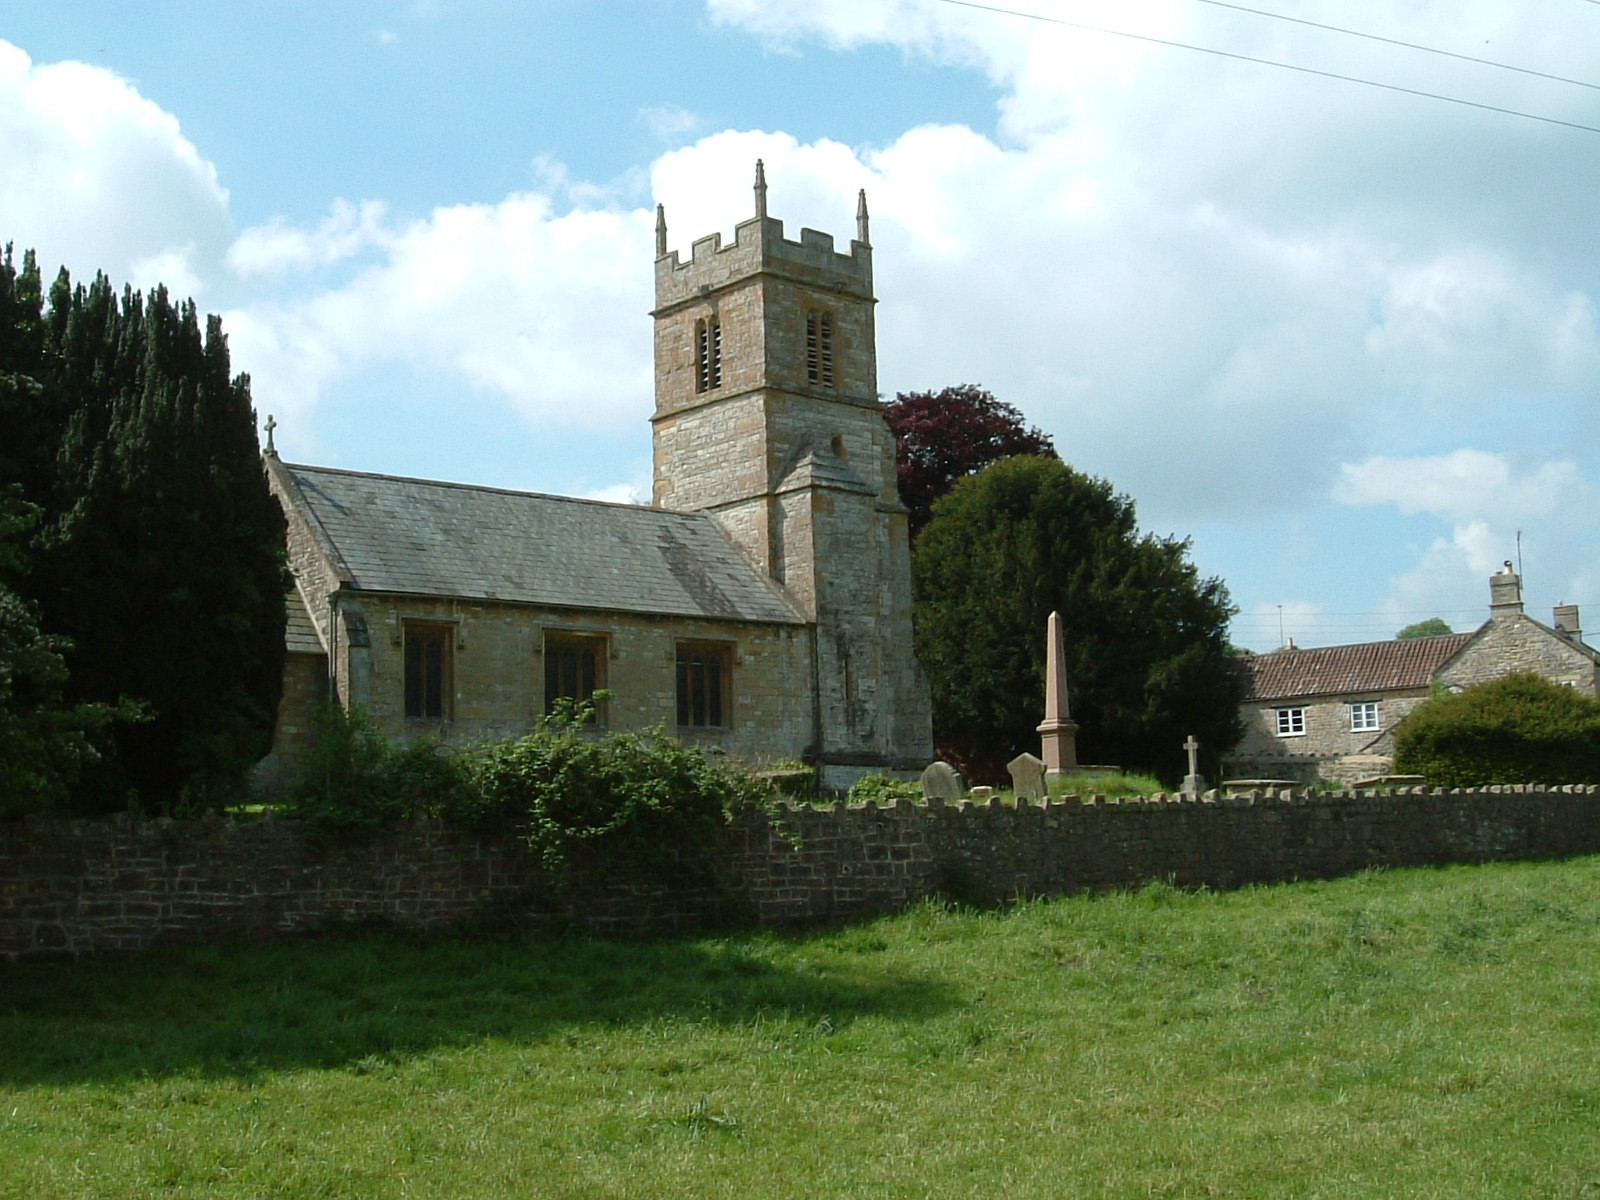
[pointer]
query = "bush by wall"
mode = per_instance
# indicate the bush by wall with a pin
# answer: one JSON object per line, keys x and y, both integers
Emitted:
{"x": 1519, "y": 729}
{"x": 642, "y": 803}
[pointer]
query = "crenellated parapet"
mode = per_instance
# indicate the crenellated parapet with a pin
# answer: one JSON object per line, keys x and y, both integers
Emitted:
{"x": 758, "y": 246}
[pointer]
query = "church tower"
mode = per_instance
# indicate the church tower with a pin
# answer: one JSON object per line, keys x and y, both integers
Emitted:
{"x": 767, "y": 417}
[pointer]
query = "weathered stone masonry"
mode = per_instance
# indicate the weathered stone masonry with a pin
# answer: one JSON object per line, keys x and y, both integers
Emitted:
{"x": 69, "y": 888}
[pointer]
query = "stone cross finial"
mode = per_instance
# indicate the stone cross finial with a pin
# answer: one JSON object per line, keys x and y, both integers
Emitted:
{"x": 661, "y": 230}
{"x": 272, "y": 423}
{"x": 1059, "y": 733}
{"x": 1193, "y": 747}
{"x": 861, "y": 218}
{"x": 761, "y": 189}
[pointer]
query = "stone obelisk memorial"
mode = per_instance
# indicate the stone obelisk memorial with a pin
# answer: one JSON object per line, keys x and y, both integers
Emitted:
{"x": 1059, "y": 733}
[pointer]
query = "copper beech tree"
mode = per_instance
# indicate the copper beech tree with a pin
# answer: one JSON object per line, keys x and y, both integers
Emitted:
{"x": 945, "y": 435}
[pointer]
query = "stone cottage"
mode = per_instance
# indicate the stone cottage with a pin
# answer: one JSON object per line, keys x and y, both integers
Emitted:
{"x": 760, "y": 604}
{"x": 1331, "y": 712}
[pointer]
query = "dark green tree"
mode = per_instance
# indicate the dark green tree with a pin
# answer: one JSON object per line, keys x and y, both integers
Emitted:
{"x": 1146, "y": 637}
{"x": 45, "y": 741}
{"x": 1432, "y": 627}
{"x": 161, "y": 557}
{"x": 1519, "y": 729}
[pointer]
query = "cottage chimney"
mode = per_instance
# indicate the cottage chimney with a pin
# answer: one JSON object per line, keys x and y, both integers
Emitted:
{"x": 1505, "y": 593}
{"x": 1566, "y": 622}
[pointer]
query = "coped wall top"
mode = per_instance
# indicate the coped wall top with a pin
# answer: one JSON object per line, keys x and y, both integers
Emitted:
{"x": 759, "y": 245}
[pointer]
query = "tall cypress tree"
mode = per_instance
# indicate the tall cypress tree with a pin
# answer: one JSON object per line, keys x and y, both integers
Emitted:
{"x": 162, "y": 558}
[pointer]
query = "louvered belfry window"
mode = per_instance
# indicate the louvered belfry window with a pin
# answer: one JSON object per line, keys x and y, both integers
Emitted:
{"x": 819, "y": 347}
{"x": 707, "y": 354}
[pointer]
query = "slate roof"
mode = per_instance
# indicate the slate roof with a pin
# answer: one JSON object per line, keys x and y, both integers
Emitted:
{"x": 1363, "y": 667}
{"x": 418, "y": 537}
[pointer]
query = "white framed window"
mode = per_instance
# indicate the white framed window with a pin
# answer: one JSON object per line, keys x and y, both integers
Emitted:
{"x": 1291, "y": 722}
{"x": 1364, "y": 717}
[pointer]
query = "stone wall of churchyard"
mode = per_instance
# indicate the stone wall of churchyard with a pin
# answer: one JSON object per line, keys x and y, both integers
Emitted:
{"x": 69, "y": 888}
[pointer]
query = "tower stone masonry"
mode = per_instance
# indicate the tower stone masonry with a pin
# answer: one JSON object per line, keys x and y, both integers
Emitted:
{"x": 767, "y": 418}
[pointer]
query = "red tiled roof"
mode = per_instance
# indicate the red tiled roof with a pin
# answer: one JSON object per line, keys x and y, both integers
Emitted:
{"x": 1363, "y": 667}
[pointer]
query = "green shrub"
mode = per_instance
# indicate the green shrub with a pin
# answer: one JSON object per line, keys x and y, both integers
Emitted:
{"x": 351, "y": 779}
{"x": 881, "y": 789}
{"x": 1520, "y": 729}
{"x": 643, "y": 801}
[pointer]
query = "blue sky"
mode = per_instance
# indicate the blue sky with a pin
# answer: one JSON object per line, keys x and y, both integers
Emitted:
{"x": 1343, "y": 338}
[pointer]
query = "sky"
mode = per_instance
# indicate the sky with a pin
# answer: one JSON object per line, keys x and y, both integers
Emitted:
{"x": 1340, "y": 335}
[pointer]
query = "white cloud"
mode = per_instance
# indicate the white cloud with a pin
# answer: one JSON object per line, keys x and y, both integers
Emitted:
{"x": 1488, "y": 503}
{"x": 175, "y": 267}
{"x": 1464, "y": 485}
{"x": 1467, "y": 318}
{"x": 99, "y": 178}
{"x": 670, "y": 122}
{"x": 277, "y": 248}
{"x": 514, "y": 298}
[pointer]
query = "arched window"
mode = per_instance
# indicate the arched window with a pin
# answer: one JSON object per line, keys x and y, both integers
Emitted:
{"x": 819, "y": 347}
{"x": 707, "y": 354}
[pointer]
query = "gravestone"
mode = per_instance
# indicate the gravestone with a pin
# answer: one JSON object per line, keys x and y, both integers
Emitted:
{"x": 1027, "y": 776}
{"x": 1193, "y": 783}
{"x": 941, "y": 781}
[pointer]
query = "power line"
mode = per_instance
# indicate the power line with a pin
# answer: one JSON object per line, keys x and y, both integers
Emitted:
{"x": 1268, "y": 62}
{"x": 1374, "y": 37}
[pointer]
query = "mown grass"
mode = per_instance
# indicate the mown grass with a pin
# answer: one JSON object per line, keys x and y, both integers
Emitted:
{"x": 1406, "y": 1034}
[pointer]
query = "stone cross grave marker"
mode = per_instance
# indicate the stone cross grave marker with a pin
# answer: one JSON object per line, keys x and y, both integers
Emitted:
{"x": 1027, "y": 776}
{"x": 1193, "y": 783}
{"x": 941, "y": 781}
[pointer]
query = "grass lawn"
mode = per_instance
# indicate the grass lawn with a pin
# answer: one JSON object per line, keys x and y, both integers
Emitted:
{"x": 1405, "y": 1034}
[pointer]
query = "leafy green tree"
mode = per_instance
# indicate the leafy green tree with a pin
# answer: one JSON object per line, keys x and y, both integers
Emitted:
{"x": 1148, "y": 658}
{"x": 44, "y": 741}
{"x": 161, "y": 556}
{"x": 942, "y": 436}
{"x": 1432, "y": 627}
{"x": 1519, "y": 729}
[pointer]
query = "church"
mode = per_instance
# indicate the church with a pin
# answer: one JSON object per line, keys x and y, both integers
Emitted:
{"x": 760, "y": 605}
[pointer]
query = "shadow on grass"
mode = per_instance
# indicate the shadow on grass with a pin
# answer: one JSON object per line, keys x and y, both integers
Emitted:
{"x": 242, "y": 1009}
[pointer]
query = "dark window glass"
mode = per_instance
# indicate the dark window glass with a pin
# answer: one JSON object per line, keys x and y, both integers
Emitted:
{"x": 702, "y": 686}
{"x": 573, "y": 668}
{"x": 427, "y": 683}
